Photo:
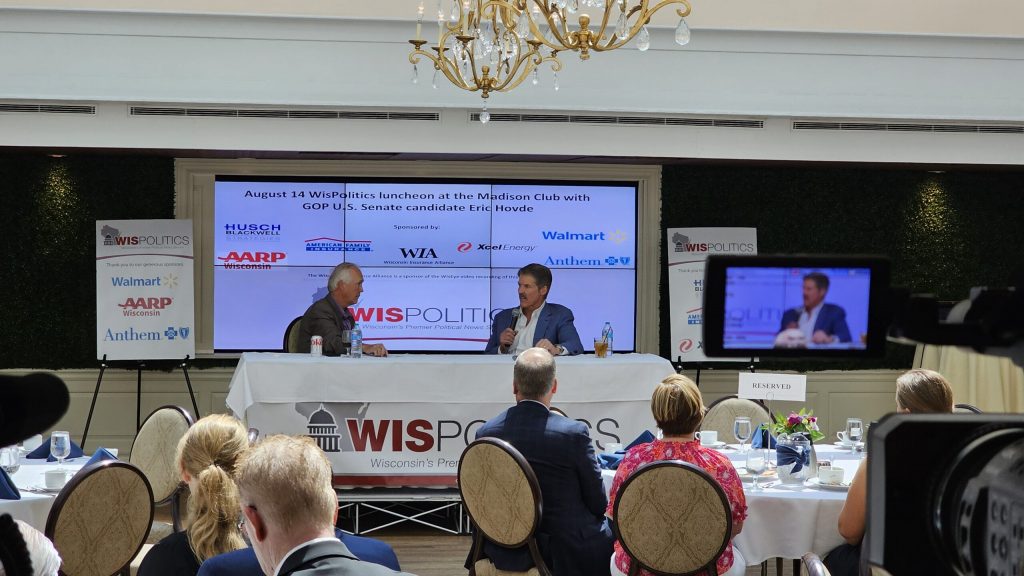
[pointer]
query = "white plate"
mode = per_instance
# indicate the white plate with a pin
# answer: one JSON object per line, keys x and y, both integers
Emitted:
{"x": 716, "y": 445}
{"x": 816, "y": 483}
{"x": 44, "y": 489}
{"x": 746, "y": 476}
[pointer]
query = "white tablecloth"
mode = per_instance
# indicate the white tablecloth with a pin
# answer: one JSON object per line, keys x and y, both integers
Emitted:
{"x": 788, "y": 522}
{"x": 405, "y": 419}
{"x": 34, "y": 507}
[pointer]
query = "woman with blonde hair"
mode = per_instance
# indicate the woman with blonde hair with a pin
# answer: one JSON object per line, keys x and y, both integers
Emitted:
{"x": 206, "y": 459}
{"x": 678, "y": 409}
{"x": 918, "y": 391}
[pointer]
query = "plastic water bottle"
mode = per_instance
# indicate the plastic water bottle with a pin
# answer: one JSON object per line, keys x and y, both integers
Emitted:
{"x": 356, "y": 347}
{"x": 608, "y": 335}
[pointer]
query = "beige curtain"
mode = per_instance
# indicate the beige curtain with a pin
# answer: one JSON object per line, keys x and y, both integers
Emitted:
{"x": 991, "y": 383}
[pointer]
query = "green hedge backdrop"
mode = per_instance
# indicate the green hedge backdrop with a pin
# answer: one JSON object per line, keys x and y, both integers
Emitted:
{"x": 944, "y": 232}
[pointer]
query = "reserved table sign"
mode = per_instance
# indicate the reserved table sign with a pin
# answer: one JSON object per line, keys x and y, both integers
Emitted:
{"x": 767, "y": 386}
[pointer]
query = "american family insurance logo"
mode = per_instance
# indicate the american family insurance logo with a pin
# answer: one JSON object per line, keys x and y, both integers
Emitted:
{"x": 327, "y": 244}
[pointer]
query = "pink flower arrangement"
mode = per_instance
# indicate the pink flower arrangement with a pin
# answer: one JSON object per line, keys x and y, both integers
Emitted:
{"x": 798, "y": 422}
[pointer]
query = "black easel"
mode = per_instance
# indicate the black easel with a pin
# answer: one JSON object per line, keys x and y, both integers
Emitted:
{"x": 139, "y": 365}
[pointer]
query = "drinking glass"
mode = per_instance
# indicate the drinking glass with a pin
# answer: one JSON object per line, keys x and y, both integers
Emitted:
{"x": 855, "y": 429}
{"x": 756, "y": 464}
{"x": 60, "y": 446}
{"x": 10, "y": 459}
{"x": 742, "y": 430}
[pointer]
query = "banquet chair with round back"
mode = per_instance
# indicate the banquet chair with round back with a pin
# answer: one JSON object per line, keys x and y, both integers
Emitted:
{"x": 558, "y": 411}
{"x": 502, "y": 495}
{"x": 811, "y": 565}
{"x": 966, "y": 409}
{"x": 722, "y": 414}
{"x": 101, "y": 519}
{"x": 291, "y": 336}
{"x": 672, "y": 518}
{"x": 154, "y": 452}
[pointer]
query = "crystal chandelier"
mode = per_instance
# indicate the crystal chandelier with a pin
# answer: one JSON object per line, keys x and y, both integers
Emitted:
{"x": 494, "y": 45}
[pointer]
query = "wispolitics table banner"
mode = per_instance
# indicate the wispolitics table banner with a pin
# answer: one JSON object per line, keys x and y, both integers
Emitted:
{"x": 145, "y": 305}
{"x": 688, "y": 250}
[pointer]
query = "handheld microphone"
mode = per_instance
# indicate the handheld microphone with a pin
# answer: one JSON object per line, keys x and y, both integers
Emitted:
{"x": 516, "y": 312}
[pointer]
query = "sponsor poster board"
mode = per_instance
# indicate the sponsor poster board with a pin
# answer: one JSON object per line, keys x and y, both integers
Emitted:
{"x": 145, "y": 305}
{"x": 688, "y": 249}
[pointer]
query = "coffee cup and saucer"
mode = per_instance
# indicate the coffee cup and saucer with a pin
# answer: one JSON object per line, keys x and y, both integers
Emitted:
{"x": 709, "y": 439}
{"x": 829, "y": 478}
{"x": 54, "y": 481}
{"x": 845, "y": 443}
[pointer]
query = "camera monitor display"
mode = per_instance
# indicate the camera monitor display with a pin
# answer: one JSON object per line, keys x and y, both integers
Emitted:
{"x": 794, "y": 306}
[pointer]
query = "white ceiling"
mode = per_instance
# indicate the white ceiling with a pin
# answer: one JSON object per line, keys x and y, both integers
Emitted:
{"x": 1003, "y": 18}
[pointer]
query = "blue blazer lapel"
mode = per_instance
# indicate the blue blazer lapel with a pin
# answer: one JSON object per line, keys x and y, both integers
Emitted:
{"x": 542, "y": 325}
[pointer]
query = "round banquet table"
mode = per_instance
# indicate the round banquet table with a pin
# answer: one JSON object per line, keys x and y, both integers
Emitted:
{"x": 34, "y": 507}
{"x": 787, "y": 522}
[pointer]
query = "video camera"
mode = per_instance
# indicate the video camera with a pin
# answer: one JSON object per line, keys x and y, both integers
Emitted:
{"x": 945, "y": 491}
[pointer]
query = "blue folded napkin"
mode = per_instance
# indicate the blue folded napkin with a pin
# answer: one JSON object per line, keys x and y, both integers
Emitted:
{"x": 787, "y": 455}
{"x": 100, "y": 455}
{"x": 43, "y": 451}
{"x": 643, "y": 438}
{"x": 758, "y": 441}
{"x": 610, "y": 461}
{"x": 8, "y": 491}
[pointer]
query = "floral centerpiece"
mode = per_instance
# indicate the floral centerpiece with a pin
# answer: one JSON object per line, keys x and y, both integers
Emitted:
{"x": 804, "y": 422}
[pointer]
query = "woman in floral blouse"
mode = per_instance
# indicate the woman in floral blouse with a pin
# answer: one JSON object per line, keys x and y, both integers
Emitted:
{"x": 679, "y": 409}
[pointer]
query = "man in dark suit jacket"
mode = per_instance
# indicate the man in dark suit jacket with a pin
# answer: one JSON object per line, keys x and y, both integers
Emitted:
{"x": 573, "y": 537}
{"x": 829, "y": 320}
{"x": 536, "y": 322}
{"x": 244, "y": 562}
{"x": 329, "y": 316}
{"x": 289, "y": 509}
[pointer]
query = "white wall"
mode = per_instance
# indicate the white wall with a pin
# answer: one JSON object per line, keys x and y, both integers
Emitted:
{"x": 115, "y": 59}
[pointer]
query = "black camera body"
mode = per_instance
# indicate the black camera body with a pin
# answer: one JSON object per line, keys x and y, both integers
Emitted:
{"x": 946, "y": 494}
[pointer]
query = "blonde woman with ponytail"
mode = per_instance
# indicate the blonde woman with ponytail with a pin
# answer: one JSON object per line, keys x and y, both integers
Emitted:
{"x": 206, "y": 459}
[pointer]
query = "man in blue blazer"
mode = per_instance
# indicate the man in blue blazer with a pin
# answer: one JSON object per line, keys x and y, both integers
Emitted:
{"x": 536, "y": 322}
{"x": 821, "y": 323}
{"x": 244, "y": 562}
{"x": 574, "y": 539}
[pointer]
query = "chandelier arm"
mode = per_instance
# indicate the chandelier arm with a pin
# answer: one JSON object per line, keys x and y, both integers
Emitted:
{"x": 564, "y": 42}
{"x": 645, "y": 16}
{"x": 556, "y": 65}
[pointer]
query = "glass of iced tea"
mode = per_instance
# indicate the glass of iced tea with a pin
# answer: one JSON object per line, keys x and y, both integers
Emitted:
{"x": 600, "y": 348}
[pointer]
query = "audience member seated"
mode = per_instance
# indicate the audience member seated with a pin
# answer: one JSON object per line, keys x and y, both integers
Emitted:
{"x": 207, "y": 456}
{"x": 244, "y": 563}
{"x": 917, "y": 392}
{"x": 289, "y": 509}
{"x": 573, "y": 537}
{"x": 678, "y": 409}
{"x": 22, "y": 545}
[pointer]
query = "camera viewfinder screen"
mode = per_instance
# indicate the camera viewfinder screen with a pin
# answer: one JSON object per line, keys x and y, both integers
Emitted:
{"x": 792, "y": 308}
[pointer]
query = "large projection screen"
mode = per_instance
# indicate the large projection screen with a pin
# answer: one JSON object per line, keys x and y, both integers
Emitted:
{"x": 439, "y": 256}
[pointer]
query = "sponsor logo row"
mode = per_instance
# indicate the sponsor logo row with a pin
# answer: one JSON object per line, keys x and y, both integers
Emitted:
{"x": 263, "y": 260}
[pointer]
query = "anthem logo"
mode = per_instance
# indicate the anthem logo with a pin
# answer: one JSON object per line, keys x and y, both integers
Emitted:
{"x": 251, "y": 260}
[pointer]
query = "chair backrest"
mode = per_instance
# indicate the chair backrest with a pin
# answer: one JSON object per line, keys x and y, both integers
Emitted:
{"x": 558, "y": 411}
{"x": 155, "y": 448}
{"x": 291, "y": 336}
{"x": 813, "y": 566}
{"x": 672, "y": 517}
{"x": 723, "y": 412}
{"x": 101, "y": 518}
{"x": 966, "y": 409}
{"x": 502, "y": 495}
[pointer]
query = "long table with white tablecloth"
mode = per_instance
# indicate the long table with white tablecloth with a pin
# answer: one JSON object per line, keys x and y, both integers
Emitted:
{"x": 405, "y": 419}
